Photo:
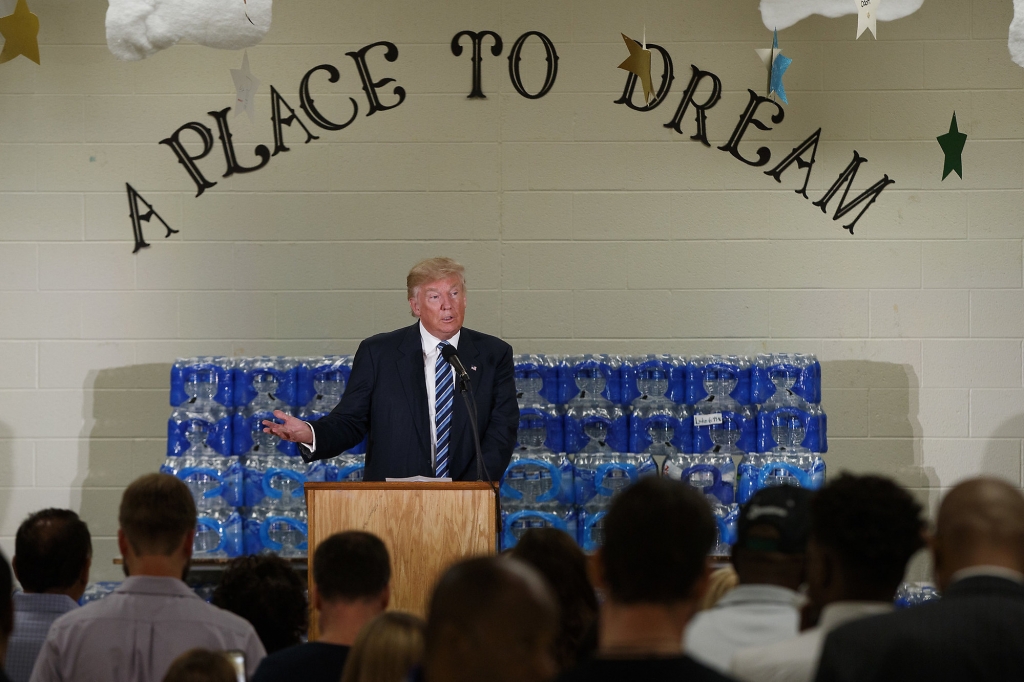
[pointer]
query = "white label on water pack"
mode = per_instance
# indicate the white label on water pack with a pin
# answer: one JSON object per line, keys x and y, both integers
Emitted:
{"x": 707, "y": 419}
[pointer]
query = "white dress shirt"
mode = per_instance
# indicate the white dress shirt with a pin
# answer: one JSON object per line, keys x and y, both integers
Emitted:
{"x": 796, "y": 660}
{"x": 746, "y": 616}
{"x": 430, "y": 353}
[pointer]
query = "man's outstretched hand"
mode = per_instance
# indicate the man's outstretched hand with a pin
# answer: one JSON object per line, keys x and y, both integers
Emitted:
{"x": 294, "y": 430}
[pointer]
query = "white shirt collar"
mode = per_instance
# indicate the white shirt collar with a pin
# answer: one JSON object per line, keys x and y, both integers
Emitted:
{"x": 990, "y": 571}
{"x": 760, "y": 594}
{"x": 837, "y": 613}
{"x": 430, "y": 342}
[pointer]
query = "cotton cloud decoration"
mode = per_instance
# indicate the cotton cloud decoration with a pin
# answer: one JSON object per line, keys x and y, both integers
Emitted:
{"x": 782, "y": 14}
{"x": 1016, "y": 42}
{"x": 138, "y": 28}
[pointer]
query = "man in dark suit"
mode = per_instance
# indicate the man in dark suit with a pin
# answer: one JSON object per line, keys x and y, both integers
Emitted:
{"x": 975, "y": 632}
{"x": 404, "y": 393}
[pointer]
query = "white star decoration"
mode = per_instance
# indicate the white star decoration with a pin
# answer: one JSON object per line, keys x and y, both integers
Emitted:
{"x": 246, "y": 86}
{"x": 867, "y": 15}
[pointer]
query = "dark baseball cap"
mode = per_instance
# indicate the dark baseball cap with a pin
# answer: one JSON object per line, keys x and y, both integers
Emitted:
{"x": 785, "y": 508}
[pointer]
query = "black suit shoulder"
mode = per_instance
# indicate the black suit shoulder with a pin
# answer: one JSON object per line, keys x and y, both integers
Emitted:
{"x": 486, "y": 340}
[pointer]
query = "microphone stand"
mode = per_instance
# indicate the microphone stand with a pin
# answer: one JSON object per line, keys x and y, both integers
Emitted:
{"x": 466, "y": 389}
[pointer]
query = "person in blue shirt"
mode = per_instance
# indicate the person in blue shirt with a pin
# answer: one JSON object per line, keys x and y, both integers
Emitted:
{"x": 52, "y": 557}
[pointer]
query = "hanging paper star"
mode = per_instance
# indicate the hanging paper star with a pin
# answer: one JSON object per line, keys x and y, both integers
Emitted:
{"x": 776, "y": 64}
{"x": 867, "y": 15}
{"x": 952, "y": 144}
{"x": 639, "y": 63}
{"x": 246, "y": 86}
{"x": 20, "y": 31}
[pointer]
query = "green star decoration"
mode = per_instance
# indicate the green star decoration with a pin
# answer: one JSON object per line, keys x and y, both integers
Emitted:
{"x": 952, "y": 144}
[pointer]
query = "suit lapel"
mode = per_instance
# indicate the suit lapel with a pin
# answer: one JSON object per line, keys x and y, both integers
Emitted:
{"x": 461, "y": 432}
{"x": 410, "y": 369}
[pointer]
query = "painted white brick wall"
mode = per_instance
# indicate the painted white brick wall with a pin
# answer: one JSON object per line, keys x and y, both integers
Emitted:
{"x": 585, "y": 226}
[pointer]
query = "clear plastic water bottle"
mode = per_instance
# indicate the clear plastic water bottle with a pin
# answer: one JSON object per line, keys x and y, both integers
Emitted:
{"x": 249, "y": 419}
{"x": 200, "y": 386}
{"x": 209, "y": 475}
{"x": 218, "y": 532}
{"x": 519, "y": 518}
{"x": 97, "y": 591}
{"x": 594, "y": 423}
{"x": 536, "y": 474}
{"x": 726, "y": 518}
{"x": 598, "y": 478}
{"x": 346, "y": 467}
{"x": 328, "y": 380}
{"x": 271, "y": 528}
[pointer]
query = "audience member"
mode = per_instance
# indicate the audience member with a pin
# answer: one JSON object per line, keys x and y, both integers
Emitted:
{"x": 492, "y": 619}
{"x": 975, "y": 631}
{"x": 134, "y": 633}
{"x": 52, "y": 555}
{"x": 387, "y": 649}
{"x": 721, "y": 582}
{"x": 653, "y": 572}
{"x": 201, "y": 665}
{"x": 864, "y": 529}
{"x": 267, "y": 592}
{"x": 560, "y": 560}
{"x": 769, "y": 558}
{"x": 6, "y": 611}
{"x": 351, "y": 586}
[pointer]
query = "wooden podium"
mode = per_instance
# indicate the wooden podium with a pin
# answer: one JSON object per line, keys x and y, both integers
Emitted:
{"x": 426, "y": 526}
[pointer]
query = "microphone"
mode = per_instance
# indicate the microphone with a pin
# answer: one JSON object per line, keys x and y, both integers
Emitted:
{"x": 449, "y": 353}
{"x": 452, "y": 356}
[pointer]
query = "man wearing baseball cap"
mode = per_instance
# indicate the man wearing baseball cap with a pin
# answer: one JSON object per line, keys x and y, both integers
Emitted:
{"x": 769, "y": 558}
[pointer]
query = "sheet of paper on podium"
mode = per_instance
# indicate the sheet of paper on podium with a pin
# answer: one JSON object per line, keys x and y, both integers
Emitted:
{"x": 419, "y": 479}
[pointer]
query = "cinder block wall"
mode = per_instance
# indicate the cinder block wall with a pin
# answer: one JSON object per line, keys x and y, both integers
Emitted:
{"x": 584, "y": 225}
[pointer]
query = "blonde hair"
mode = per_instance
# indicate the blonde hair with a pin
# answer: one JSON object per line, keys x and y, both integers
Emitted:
{"x": 721, "y": 582}
{"x": 431, "y": 270}
{"x": 386, "y": 649}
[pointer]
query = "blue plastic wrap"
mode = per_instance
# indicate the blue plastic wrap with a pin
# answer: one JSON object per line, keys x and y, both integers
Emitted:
{"x": 670, "y": 368}
{"x": 705, "y": 370}
{"x": 799, "y": 373}
{"x": 516, "y": 521}
{"x": 199, "y": 370}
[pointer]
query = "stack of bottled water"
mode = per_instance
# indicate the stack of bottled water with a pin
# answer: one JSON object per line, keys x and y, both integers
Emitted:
{"x": 912, "y": 594}
{"x": 249, "y": 485}
{"x": 699, "y": 419}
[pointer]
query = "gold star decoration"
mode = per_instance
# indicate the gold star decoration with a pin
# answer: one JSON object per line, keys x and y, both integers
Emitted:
{"x": 20, "y": 31}
{"x": 638, "y": 63}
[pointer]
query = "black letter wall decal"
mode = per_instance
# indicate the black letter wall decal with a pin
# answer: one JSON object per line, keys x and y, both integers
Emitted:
{"x": 275, "y": 116}
{"x": 702, "y": 118}
{"x": 369, "y": 86}
{"x": 189, "y": 162}
{"x": 477, "y": 39}
{"x": 306, "y": 100}
{"x": 848, "y": 175}
{"x": 137, "y": 217}
{"x": 229, "y": 147}
{"x": 797, "y": 156}
{"x": 666, "y": 82}
{"x": 747, "y": 119}
{"x": 550, "y": 55}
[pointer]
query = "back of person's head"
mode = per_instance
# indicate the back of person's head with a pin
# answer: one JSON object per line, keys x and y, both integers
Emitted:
{"x": 871, "y": 527}
{"x": 387, "y": 648}
{"x": 560, "y": 560}
{"x": 157, "y": 512}
{"x": 657, "y": 536}
{"x": 201, "y": 665}
{"x": 267, "y": 592}
{"x": 491, "y": 619}
{"x": 351, "y": 566}
{"x": 6, "y": 605}
{"x": 52, "y": 552}
{"x": 771, "y": 538}
{"x": 980, "y": 523}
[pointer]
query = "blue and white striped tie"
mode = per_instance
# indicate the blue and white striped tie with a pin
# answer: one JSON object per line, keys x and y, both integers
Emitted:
{"x": 444, "y": 390}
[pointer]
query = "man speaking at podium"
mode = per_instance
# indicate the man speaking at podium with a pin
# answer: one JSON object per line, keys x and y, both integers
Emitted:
{"x": 404, "y": 392}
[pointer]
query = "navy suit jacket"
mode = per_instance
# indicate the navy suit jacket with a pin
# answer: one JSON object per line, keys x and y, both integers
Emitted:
{"x": 975, "y": 632}
{"x": 386, "y": 397}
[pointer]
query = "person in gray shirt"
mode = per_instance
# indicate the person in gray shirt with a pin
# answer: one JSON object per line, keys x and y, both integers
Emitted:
{"x": 136, "y": 632}
{"x": 52, "y": 556}
{"x": 769, "y": 558}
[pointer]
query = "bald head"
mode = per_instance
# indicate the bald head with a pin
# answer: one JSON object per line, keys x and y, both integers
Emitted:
{"x": 491, "y": 618}
{"x": 981, "y": 523}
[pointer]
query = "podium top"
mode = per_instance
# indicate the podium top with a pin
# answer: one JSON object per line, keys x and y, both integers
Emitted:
{"x": 402, "y": 485}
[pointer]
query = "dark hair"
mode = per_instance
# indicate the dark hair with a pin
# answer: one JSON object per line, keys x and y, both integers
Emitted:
{"x": 351, "y": 565}
{"x": 657, "y": 536}
{"x": 267, "y": 592}
{"x": 873, "y": 525}
{"x": 563, "y": 563}
{"x": 201, "y": 665}
{"x": 51, "y": 549}
{"x": 157, "y": 511}
{"x": 6, "y": 603}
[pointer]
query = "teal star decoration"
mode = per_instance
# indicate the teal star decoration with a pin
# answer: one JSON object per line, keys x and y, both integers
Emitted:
{"x": 952, "y": 144}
